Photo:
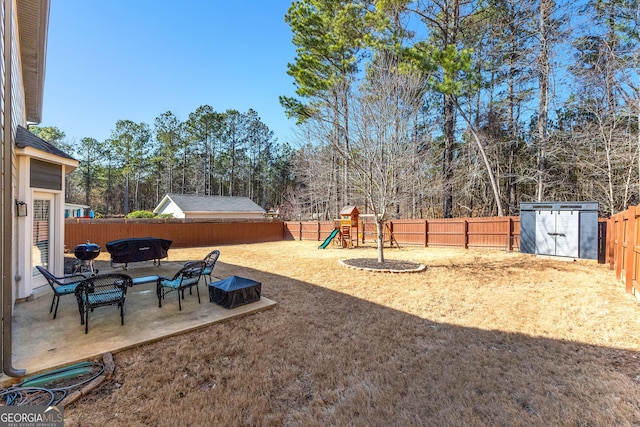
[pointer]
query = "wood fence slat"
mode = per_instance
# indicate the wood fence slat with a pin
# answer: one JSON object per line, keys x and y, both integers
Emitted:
{"x": 629, "y": 243}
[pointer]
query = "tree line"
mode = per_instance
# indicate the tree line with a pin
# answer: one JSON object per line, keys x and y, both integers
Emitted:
{"x": 526, "y": 100}
{"x": 408, "y": 109}
{"x": 211, "y": 153}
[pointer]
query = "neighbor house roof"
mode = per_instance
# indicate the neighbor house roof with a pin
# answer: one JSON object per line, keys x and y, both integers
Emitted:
{"x": 25, "y": 139}
{"x": 192, "y": 203}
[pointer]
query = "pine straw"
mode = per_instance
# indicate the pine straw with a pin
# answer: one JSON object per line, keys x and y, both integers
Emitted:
{"x": 481, "y": 338}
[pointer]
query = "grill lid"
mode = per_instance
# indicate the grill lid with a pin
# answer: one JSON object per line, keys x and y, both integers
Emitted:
{"x": 86, "y": 251}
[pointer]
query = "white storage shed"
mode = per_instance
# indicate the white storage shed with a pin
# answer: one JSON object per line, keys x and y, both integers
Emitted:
{"x": 567, "y": 229}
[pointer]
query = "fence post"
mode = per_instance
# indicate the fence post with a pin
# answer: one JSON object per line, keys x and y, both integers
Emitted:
{"x": 619, "y": 237}
{"x": 466, "y": 234}
{"x": 610, "y": 239}
{"x": 630, "y": 237}
{"x": 318, "y": 239}
{"x": 426, "y": 233}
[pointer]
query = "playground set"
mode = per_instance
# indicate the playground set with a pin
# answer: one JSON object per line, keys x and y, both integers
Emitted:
{"x": 347, "y": 231}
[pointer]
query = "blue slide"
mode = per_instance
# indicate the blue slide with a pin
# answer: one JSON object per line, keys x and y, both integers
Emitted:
{"x": 328, "y": 239}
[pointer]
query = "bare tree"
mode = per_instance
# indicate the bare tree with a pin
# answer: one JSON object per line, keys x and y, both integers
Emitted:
{"x": 383, "y": 137}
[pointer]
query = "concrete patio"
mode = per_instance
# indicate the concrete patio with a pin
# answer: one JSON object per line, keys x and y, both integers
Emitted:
{"x": 41, "y": 343}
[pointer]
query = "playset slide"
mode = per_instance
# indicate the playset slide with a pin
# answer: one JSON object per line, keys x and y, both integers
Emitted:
{"x": 328, "y": 239}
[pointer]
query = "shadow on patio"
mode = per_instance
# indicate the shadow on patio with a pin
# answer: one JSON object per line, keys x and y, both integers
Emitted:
{"x": 41, "y": 343}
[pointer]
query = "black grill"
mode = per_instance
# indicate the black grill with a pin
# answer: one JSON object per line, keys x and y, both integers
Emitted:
{"x": 87, "y": 252}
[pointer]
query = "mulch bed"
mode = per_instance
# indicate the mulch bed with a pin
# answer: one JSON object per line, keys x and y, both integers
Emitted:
{"x": 394, "y": 266}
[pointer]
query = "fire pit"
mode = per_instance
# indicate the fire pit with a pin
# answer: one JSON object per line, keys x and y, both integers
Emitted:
{"x": 86, "y": 253}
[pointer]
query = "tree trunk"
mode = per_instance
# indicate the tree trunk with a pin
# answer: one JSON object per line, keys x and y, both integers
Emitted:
{"x": 126, "y": 194}
{"x": 380, "y": 233}
{"x": 543, "y": 93}
{"x": 88, "y": 185}
{"x": 447, "y": 156}
{"x": 490, "y": 174}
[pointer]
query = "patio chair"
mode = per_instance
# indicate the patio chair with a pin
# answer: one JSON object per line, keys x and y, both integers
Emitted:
{"x": 65, "y": 285}
{"x": 100, "y": 291}
{"x": 210, "y": 263}
{"x": 187, "y": 277}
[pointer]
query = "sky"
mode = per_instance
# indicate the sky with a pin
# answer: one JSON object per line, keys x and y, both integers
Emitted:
{"x": 136, "y": 59}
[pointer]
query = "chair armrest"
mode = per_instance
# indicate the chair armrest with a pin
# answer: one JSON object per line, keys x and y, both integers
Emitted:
{"x": 74, "y": 278}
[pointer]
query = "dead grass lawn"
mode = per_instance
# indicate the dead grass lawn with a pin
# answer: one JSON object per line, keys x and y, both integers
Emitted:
{"x": 481, "y": 338}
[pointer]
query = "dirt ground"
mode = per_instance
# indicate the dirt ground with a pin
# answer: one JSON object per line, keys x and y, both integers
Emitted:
{"x": 481, "y": 337}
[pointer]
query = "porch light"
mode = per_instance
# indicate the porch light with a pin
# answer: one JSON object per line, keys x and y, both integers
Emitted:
{"x": 21, "y": 208}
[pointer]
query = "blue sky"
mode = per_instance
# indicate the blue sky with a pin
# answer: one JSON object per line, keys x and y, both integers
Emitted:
{"x": 135, "y": 59}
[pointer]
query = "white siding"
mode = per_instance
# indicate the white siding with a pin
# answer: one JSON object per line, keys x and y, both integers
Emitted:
{"x": 17, "y": 118}
{"x": 2, "y": 138}
{"x": 172, "y": 208}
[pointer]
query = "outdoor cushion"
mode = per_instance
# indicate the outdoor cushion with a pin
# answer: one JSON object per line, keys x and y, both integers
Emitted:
{"x": 67, "y": 289}
{"x": 105, "y": 296}
{"x": 177, "y": 282}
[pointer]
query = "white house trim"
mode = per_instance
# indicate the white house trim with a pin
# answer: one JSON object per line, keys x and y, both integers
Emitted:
{"x": 27, "y": 283}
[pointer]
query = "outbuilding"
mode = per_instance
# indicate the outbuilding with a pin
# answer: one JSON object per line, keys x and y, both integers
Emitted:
{"x": 567, "y": 229}
{"x": 221, "y": 207}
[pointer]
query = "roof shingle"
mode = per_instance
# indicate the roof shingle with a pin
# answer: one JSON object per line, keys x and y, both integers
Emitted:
{"x": 192, "y": 203}
{"x": 25, "y": 139}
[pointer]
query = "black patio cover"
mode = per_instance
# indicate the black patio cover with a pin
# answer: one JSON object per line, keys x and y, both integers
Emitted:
{"x": 137, "y": 249}
{"x": 234, "y": 291}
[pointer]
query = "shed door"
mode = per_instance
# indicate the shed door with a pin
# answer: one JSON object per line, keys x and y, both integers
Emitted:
{"x": 545, "y": 232}
{"x": 557, "y": 233}
{"x": 567, "y": 233}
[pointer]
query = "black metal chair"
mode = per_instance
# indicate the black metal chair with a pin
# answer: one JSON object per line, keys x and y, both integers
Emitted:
{"x": 210, "y": 263}
{"x": 186, "y": 278}
{"x": 65, "y": 285}
{"x": 100, "y": 291}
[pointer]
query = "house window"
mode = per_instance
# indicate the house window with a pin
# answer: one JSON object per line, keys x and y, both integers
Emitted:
{"x": 41, "y": 235}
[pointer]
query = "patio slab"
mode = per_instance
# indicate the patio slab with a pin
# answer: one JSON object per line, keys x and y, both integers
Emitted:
{"x": 41, "y": 343}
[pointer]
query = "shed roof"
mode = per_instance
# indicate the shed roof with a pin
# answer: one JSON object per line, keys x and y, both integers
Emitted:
{"x": 25, "y": 139}
{"x": 194, "y": 203}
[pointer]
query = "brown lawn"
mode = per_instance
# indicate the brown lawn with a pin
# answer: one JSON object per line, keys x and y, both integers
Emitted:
{"x": 481, "y": 337}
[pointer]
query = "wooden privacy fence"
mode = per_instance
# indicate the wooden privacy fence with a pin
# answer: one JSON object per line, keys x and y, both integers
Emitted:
{"x": 184, "y": 233}
{"x": 623, "y": 248}
{"x": 496, "y": 232}
{"x": 618, "y": 237}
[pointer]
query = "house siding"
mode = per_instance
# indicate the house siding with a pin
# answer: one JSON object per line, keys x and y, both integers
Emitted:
{"x": 11, "y": 119}
{"x": 3, "y": 265}
{"x": 45, "y": 175}
{"x": 17, "y": 118}
{"x": 172, "y": 208}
